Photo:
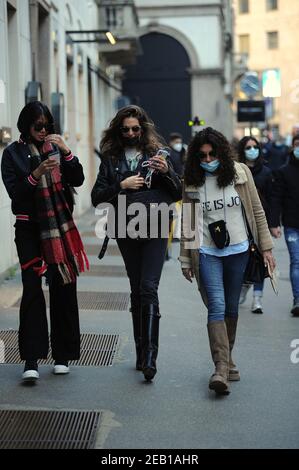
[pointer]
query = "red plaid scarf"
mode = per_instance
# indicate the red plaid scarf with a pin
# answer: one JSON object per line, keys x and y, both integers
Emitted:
{"x": 61, "y": 243}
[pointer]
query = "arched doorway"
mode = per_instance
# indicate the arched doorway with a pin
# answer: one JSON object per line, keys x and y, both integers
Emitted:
{"x": 160, "y": 83}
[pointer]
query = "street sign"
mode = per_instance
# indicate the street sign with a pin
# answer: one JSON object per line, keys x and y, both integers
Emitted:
{"x": 251, "y": 111}
{"x": 250, "y": 84}
{"x": 271, "y": 83}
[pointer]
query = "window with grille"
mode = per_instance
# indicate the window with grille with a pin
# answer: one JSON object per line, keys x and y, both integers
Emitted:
{"x": 271, "y": 5}
{"x": 244, "y": 45}
{"x": 272, "y": 40}
{"x": 243, "y": 6}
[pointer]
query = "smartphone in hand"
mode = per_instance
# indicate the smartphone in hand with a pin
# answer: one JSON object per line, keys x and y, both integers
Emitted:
{"x": 163, "y": 153}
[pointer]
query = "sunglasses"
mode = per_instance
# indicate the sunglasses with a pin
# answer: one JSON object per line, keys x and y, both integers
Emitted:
{"x": 125, "y": 130}
{"x": 203, "y": 155}
{"x": 251, "y": 147}
{"x": 39, "y": 126}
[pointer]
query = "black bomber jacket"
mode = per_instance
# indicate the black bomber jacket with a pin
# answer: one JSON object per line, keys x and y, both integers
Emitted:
{"x": 17, "y": 166}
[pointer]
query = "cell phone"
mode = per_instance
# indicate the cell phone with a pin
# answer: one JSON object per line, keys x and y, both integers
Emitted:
{"x": 163, "y": 153}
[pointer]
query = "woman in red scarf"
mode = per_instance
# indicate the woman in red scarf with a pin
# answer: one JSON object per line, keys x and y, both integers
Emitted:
{"x": 39, "y": 172}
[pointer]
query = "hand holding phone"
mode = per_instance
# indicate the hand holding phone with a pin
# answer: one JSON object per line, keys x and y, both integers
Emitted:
{"x": 159, "y": 162}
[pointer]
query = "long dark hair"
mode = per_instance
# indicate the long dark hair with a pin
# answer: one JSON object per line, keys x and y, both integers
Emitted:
{"x": 111, "y": 145}
{"x": 194, "y": 174}
{"x": 241, "y": 149}
{"x": 30, "y": 114}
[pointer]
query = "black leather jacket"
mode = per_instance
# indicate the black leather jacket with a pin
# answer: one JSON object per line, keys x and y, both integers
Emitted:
{"x": 16, "y": 167}
{"x": 111, "y": 174}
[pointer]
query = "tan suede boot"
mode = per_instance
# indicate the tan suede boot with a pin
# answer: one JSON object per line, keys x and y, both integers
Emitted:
{"x": 220, "y": 354}
{"x": 231, "y": 327}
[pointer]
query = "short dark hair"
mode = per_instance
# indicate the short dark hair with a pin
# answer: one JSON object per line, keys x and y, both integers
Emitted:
{"x": 296, "y": 137}
{"x": 30, "y": 114}
{"x": 175, "y": 135}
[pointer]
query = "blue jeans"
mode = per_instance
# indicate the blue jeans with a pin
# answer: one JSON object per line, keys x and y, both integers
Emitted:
{"x": 222, "y": 278}
{"x": 258, "y": 287}
{"x": 292, "y": 241}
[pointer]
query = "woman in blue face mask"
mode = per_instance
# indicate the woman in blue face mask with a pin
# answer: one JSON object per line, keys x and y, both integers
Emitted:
{"x": 250, "y": 153}
{"x": 214, "y": 240}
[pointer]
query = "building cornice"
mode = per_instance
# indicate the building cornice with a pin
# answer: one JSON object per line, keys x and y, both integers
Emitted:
{"x": 180, "y": 10}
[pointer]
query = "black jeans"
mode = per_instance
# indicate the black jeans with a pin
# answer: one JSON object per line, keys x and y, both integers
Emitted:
{"x": 64, "y": 314}
{"x": 144, "y": 262}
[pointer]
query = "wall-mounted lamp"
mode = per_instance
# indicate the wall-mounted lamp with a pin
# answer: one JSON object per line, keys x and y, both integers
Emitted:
{"x": 5, "y": 135}
{"x": 111, "y": 38}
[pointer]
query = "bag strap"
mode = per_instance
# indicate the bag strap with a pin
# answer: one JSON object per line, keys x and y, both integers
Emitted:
{"x": 104, "y": 247}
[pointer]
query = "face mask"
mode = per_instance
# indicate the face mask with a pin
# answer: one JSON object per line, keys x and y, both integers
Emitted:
{"x": 131, "y": 141}
{"x": 252, "y": 154}
{"x": 296, "y": 152}
{"x": 177, "y": 147}
{"x": 210, "y": 167}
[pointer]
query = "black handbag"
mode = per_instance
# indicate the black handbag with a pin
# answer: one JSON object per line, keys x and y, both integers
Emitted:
{"x": 219, "y": 233}
{"x": 255, "y": 271}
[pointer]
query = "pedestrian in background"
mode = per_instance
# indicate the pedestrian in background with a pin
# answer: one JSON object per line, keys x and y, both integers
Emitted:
{"x": 177, "y": 153}
{"x": 285, "y": 211}
{"x": 38, "y": 172}
{"x": 275, "y": 153}
{"x": 177, "y": 158}
{"x": 129, "y": 148}
{"x": 250, "y": 153}
{"x": 221, "y": 187}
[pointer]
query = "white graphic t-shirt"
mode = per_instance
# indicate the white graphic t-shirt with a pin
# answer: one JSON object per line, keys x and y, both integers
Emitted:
{"x": 222, "y": 204}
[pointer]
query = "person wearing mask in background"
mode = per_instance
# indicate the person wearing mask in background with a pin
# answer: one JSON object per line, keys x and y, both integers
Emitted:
{"x": 250, "y": 153}
{"x": 275, "y": 154}
{"x": 177, "y": 153}
{"x": 284, "y": 211}
{"x": 226, "y": 192}
{"x": 177, "y": 158}
{"x": 38, "y": 172}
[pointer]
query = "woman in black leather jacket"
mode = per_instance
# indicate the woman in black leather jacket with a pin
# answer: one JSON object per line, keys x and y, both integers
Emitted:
{"x": 131, "y": 166}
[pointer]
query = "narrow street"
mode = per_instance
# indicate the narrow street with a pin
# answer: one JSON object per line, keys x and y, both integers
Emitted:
{"x": 176, "y": 411}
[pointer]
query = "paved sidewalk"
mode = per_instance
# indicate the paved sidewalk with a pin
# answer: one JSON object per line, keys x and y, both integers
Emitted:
{"x": 177, "y": 410}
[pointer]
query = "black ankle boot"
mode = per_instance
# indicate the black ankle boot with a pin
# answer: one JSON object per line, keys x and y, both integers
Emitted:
{"x": 136, "y": 317}
{"x": 150, "y": 339}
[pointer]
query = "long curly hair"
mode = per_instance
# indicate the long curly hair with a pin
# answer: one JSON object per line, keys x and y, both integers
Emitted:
{"x": 194, "y": 174}
{"x": 111, "y": 145}
{"x": 241, "y": 149}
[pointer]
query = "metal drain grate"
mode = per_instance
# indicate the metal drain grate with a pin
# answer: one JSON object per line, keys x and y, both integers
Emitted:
{"x": 105, "y": 271}
{"x": 96, "y": 300}
{"x": 96, "y": 350}
{"x": 48, "y": 429}
{"x": 112, "y": 250}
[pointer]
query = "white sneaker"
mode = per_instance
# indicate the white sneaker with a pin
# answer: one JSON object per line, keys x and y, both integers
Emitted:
{"x": 60, "y": 369}
{"x": 257, "y": 304}
{"x": 30, "y": 375}
{"x": 244, "y": 292}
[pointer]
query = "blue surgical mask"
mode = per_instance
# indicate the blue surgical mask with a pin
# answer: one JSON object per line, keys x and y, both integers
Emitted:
{"x": 211, "y": 166}
{"x": 296, "y": 152}
{"x": 252, "y": 154}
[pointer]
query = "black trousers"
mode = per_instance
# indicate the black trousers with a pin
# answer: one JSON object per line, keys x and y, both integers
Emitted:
{"x": 144, "y": 262}
{"x": 64, "y": 314}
